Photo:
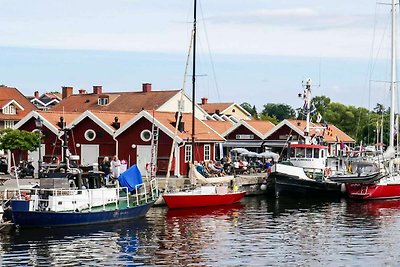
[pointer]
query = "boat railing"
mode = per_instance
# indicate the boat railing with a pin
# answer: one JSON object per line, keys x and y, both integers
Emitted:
{"x": 154, "y": 189}
{"x": 58, "y": 200}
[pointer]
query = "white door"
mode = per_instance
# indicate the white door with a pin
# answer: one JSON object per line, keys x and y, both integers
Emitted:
{"x": 143, "y": 157}
{"x": 34, "y": 156}
{"x": 89, "y": 154}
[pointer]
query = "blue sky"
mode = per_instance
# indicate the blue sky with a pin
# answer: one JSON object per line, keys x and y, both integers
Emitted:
{"x": 254, "y": 51}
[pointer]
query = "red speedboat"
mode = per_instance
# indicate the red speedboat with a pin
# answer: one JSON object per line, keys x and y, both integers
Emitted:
{"x": 381, "y": 190}
{"x": 204, "y": 196}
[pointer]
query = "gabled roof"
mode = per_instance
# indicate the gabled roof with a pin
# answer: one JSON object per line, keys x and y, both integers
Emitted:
{"x": 132, "y": 102}
{"x": 316, "y": 129}
{"x": 259, "y": 128}
{"x": 8, "y": 94}
{"x": 50, "y": 119}
{"x": 164, "y": 121}
{"x": 104, "y": 119}
{"x": 219, "y": 126}
{"x": 212, "y": 108}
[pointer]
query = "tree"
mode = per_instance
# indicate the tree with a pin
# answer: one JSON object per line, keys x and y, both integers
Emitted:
{"x": 321, "y": 103}
{"x": 279, "y": 111}
{"x": 249, "y": 109}
{"x": 11, "y": 139}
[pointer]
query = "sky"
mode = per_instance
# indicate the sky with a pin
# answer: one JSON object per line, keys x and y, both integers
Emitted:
{"x": 255, "y": 51}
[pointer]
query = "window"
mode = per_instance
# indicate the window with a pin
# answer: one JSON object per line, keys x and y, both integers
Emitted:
{"x": 90, "y": 135}
{"x": 322, "y": 153}
{"x": 188, "y": 153}
{"x": 10, "y": 109}
{"x": 300, "y": 152}
{"x": 9, "y": 124}
{"x": 207, "y": 152}
{"x": 102, "y": 101}
{"x": 309, "y": 153}
{"x": 316, "y": 153}
{"x": 145, "y": 135}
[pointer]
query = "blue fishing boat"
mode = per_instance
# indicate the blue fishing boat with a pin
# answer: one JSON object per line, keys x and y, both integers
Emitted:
{"x": 130, "y": 199}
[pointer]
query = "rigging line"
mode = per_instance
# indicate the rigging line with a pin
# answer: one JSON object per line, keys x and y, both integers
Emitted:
{"x": 179, "y": 110}
{"x": 210, "y": 54}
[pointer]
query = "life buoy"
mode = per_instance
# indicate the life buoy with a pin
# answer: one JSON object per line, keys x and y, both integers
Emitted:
{"x": 327, "y": 172}
{"x": 148, "y": 167}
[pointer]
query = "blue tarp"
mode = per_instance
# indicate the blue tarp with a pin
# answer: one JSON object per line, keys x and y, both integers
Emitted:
{"x": 130, "y": 178}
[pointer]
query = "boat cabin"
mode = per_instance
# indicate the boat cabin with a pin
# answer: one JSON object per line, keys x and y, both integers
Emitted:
{"x": 308, "y": 156}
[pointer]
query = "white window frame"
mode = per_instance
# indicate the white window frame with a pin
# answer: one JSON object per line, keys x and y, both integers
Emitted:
{"x": 207, "y": 156}
{"x": 87, "y": 135}
{"x": 188, "y": 153}
{"x": 9, "y": 124}
{"x": 143, "y": 137}
{"x": 10, "y": 109}
{"x": 103, "y": 101}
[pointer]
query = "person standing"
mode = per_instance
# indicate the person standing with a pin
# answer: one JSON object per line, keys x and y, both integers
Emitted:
{"x": 115, "y": 167}
{"x": 105, "y": 167}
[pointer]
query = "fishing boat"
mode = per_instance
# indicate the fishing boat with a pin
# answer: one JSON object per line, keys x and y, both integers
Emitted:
{"x": 70, "y": 207}
{"x": 388, "y": 186}
{"x": 306, "y": 171}
{"x": 205, "y": 195}
{"x": 63, "y": 198}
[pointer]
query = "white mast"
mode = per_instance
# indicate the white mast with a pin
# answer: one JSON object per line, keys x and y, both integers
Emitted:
{"x": 393, "y": 78}
{"x": 307, "y": 99}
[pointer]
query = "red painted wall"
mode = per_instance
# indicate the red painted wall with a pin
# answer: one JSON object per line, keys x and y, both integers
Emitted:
{"x": 103, "y": 139}
{"x": 241, "y": 130}
{"x": 284, "y": 130}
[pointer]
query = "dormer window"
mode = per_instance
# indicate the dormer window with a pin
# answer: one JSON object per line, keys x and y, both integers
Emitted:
{"x": 103, "y": 101}
{"x": 10, "y": 109}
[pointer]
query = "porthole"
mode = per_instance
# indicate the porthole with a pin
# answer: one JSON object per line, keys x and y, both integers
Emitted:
{"x": 90, "y": 135}
{"x": 145, "y": 135}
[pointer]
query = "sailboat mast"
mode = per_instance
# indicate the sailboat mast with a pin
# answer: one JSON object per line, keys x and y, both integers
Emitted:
{"x": 194, "y": 78}
{"x": 393, "y": 78}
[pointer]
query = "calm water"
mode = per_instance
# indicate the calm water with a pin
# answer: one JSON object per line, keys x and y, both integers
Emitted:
{"x": 257, "y": 232}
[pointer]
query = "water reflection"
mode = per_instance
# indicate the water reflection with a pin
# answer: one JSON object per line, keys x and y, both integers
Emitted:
{"x": 85, "y": 245}
{"x": 257, "y": 232}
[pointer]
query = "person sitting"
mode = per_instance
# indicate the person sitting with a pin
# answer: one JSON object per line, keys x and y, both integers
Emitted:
{"x": 200, "y": 168}
{"x": 212, "y": 169}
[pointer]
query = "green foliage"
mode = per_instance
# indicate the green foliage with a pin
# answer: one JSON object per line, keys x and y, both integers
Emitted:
{"x": 11, "y": 139}
{"x": 279, "y": 111}
{"x": 272, "y": 119}
{"x": 250, "y": 109}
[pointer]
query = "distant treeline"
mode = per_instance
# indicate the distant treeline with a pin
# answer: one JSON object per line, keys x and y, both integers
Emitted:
{"x": 359, "y": 123}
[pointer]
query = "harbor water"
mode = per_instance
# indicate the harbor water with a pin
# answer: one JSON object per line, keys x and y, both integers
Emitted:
{"x": 256, "y": 232}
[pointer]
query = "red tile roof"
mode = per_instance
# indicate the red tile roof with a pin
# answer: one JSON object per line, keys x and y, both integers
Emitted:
{"x": 9, "y": 93}
{"x": 132, "y": 102}
{"x": 109, "y": 117}
{"x": 301, "y": 125}
{"x": 261, "y": 126}
{"x": 219, "y": 126}
{"x": 212, "y": 108}
{"x": 202, "y": 131}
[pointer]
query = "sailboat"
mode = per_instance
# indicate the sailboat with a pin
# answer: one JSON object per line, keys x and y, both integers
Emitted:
{"x": 388, "y": 187}
{"x": 207, "y": 195}
{"x": 307, "y": 172}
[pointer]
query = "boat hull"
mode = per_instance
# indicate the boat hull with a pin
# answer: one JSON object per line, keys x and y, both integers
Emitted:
{"x": 26, "y": 218}
{"x": 182, "y": 200}
{"x": 280, "y": 184}
{"x": 373, "y": 191}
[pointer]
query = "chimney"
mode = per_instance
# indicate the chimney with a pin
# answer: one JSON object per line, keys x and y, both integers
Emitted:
{"x": 116, "y": 123}
{"x": 36, "y": 94}
{"x": 67, "y": 91}
{"x": 204, "y": 100}
{"x": 97, "y": 89}
{"x": 146, "y": 87}
{"x": 82, "y": 91}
